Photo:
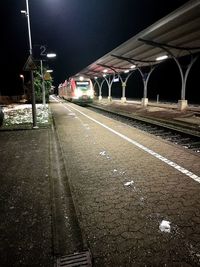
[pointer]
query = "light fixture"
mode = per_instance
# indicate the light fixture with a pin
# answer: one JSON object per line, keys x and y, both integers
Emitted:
{"x": 49, "y": 71}
{"x": 161, "y": 57}
{"x": 133, "y": 66}
{"x": 51, "y": 55}
{"x": 116, "y": 79}
{"x": 23, "y": 12}
{"x": 105, "y": 70}
{"x": 81, "y": 78}
{"x": 126, "y": 71}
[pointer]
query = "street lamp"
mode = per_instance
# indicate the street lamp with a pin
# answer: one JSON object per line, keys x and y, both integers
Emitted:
{"x": 51, "y": 55}
{"x": 26, "y": 12}
{"x": 22, "y": 77}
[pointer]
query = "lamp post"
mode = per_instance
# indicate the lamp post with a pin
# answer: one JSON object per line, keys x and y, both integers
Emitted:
{"x": 43, "y": 85}
{"x": 31, "y": 53}
{"x": 49, "y": 55}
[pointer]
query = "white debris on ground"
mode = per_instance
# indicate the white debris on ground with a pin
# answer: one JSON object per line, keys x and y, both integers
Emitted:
{"x": 22, "y": 114}
{"x": 129, "y": 183}
{"x": 165, "y": 226}
{"x": 102, "y": 153}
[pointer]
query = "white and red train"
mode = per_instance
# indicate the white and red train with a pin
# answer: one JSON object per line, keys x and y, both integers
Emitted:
{"x": 77, "y": 89}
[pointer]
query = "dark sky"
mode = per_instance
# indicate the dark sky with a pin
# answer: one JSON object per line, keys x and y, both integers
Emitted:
{"x": 79, "y": 31}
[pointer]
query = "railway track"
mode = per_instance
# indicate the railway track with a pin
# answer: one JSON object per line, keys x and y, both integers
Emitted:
{"x": 177, "y": 133}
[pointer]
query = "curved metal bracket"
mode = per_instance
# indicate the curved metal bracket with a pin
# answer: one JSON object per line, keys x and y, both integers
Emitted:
{"x": 166, "y": 47}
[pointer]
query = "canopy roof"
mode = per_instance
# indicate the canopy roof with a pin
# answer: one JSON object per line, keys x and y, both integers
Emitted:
{"x": 177, "y": 34}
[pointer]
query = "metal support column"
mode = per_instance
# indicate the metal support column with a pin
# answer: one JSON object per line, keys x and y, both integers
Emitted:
{"x": 182, "y": 104}
{"x": 109, "y": 82}
{"x": 33, "y": 101}
{"x": 100, "y": 92}
{"x": 32, "y": 77}
{"x": 43, "y": 84}
{"x": 145, "y": 79}
{"x": 123, "y": 98}
{"x": 124, "y": 83}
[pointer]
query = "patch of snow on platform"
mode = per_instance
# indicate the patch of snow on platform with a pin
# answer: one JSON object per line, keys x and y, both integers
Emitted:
{"x": 165, "y": 226}
{"x": 102, "y": 153}
{"x": 19, "y": 114}
{"x": 129, "y": 183}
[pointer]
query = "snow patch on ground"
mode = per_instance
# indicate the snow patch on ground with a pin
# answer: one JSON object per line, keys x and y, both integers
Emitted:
{"x": 129, "y": 183}
{"x": 22, "y": 114}
{"x": 165, "y": 226}
{"x": 104, "y": 154}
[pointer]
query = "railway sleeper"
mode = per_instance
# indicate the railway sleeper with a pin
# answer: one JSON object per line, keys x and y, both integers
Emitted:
{"x": 195, "y": 144}
{"x": 172, "y": 134}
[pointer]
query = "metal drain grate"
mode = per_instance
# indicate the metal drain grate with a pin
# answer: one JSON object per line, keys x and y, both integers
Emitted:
{"x": 76, "y": 259}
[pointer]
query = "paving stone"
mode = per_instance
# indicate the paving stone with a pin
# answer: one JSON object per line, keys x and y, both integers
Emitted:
{"x": 128, "y": 217}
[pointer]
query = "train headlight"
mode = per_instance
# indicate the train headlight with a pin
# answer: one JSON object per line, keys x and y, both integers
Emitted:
{"x": 78, "y": 93}
{"x": 90, "y": 93}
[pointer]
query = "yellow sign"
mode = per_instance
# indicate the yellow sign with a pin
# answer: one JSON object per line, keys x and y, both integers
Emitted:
{"x": 47, "y": 76}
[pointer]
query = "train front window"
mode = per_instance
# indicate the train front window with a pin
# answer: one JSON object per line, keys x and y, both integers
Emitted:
{"x": 83, "y": 85}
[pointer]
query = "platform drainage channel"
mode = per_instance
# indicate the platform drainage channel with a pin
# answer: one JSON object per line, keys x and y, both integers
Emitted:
{"x": 76, "y": 259}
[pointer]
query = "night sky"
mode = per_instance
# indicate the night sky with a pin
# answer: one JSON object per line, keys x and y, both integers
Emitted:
{"x": 78, "y": 31}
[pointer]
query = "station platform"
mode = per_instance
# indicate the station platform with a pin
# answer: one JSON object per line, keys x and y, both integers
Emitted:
{"x": 25, "y": 221}
{"x": 161, "y": 111}
{"x": 128, "y": 197}
{"x": 136, "y": 196}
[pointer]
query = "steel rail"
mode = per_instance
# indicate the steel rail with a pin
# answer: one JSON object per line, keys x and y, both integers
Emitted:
{"x": 189, "y": 136}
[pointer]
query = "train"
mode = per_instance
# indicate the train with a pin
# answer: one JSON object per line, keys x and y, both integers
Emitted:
{"x": 77, "y": 90}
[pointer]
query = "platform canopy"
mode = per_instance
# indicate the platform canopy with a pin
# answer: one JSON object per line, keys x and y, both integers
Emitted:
{"x": 175, "y": 35}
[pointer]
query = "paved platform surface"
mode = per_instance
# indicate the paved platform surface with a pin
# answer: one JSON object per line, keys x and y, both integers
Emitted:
{"x": 25, "y": 210}
{"x": 121, "y": 196}
{"x": 135, "y": 207}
